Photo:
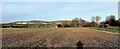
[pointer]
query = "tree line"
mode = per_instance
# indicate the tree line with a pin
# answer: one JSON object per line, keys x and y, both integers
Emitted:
{"x": 95, "y": 21}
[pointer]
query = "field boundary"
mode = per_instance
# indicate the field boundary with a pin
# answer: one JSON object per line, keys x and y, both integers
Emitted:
{"x": 115, "y": 33}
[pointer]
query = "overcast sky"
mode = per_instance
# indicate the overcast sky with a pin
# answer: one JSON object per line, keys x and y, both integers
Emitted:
{"x": 50, "y": 11}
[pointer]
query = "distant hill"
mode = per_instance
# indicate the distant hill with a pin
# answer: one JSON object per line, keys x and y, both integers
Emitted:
{"x": 60, "y": 20}
{"x": 36, "y": 22}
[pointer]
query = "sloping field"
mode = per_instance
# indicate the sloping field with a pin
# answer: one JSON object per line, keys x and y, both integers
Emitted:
{"x": 57, "y": 37}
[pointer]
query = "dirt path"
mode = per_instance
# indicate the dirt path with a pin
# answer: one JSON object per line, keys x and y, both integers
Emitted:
{"x": 60, "y": 37}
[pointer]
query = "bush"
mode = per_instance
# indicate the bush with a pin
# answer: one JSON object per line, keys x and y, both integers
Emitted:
{"x": 92, "y": 24}
{"x": 66, "y": 25}
{"x": 59, "y": 25}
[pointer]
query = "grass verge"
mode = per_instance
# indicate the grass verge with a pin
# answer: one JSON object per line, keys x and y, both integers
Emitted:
{"x": 111, "y": 29}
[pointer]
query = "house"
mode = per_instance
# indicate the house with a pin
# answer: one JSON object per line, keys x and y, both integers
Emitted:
{"x": 63, "y": 23}
{"x": 25, "y": 23}
{"x": 44, "y": 23}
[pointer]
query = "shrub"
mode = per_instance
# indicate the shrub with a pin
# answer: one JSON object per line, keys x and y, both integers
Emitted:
{"x": 59, "y": 25}
{"x": 66, "y": 25}
{"x": 91, "y": 24}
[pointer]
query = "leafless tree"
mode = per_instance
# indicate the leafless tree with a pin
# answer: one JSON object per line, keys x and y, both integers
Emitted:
{"x": 111, "y": 20}
{"x": 93, "y": 19}
{"x": 75, "y": 22}
{"x": 97, "y": 18}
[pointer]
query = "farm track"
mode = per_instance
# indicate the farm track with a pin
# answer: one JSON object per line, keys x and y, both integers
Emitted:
{"x": 57, "y": 37}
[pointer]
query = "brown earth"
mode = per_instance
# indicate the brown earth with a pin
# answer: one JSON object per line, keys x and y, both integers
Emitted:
{"x": 57, "y": 37}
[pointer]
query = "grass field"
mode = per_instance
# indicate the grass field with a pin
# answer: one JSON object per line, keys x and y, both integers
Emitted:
{"x": 112, "y": 29}
{"x": 56, "y": 37}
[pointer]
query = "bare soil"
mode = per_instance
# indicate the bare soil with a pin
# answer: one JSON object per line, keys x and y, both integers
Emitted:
{"x": 57, "y": 37}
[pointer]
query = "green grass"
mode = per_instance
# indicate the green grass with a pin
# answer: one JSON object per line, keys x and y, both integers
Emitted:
{"x": 111, "y": 29}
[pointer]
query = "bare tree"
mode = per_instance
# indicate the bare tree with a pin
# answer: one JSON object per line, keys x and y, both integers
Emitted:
{"x": 82, "y": 22}
{"x": 111, "y": 17}
{"x": 111, "y": 20}
{"x": 93, "y": 19}
{"x": 107, "y": 18}
{"x": 75, "y": 22}
{"x": 97, "y": 18}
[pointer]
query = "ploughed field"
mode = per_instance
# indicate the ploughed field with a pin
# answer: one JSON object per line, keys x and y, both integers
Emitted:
{"x": 57, "y": 37}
